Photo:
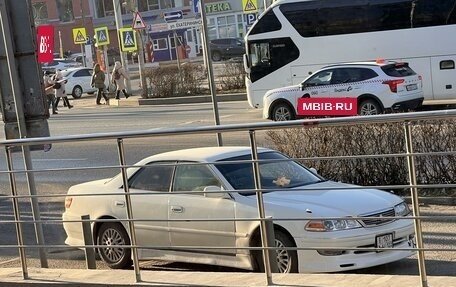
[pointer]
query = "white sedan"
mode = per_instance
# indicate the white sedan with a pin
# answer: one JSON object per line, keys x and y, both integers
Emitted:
{"x": 79, "y": 80}
{"x": 317, "y": 214}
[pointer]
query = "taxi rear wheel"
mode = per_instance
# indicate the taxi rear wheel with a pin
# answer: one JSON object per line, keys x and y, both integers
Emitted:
{"x": 369, "y": 107}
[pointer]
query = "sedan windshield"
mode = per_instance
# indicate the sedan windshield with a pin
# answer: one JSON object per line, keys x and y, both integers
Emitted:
{"x": 276, "y": 172}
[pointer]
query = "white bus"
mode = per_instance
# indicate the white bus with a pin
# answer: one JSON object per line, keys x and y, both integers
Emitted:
{"x": 293, "y": 38}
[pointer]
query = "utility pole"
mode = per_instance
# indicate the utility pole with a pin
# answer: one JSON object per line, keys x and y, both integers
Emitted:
{"x": 119, "y": 25}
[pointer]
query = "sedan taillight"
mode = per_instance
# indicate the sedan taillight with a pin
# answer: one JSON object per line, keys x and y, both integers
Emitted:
{"x": 393, "y": 84}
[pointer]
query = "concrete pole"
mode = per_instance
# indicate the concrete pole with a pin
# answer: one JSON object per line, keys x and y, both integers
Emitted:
{"x": 210, "y": 71}
{"x": 119, "y": 25}
{"x": 139, "y": 38}
{"x": 15, "y": 82}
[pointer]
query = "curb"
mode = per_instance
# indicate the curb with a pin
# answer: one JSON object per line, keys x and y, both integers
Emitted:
{"x": 138, "y": 101}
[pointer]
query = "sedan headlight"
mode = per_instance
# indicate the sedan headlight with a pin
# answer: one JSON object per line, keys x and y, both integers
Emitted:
{"x": 332, "y": 225}
{"x": 401, "y": 209}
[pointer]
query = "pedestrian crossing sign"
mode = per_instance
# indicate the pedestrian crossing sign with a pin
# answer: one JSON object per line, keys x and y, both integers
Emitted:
{"x": 128, "y": 40}
{"x": 79, "y": 35}
{"x": 249, "y": 6}
{"x": 102, "y": 36}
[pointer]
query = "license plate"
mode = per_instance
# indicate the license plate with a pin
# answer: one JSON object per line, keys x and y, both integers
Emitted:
{"x": 411, "y": 87}
{"x": 384, "y": 241}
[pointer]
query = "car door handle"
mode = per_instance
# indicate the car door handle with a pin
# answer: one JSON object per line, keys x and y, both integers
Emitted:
{"x": 177, "y": 209}
{"x": 119, "y": 203}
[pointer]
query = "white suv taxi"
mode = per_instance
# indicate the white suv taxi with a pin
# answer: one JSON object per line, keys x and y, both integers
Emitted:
{"x": 379, "y": 87}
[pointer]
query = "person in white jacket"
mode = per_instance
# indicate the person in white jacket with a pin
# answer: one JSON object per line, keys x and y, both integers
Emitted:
{"x": 118, "y": 77}
{"x": 60, "y": 91}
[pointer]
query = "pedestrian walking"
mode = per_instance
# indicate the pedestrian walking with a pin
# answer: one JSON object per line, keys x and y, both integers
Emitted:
{"x": 49, "y": 92}
{"x": 59, "y": 88}
{"x": 98, "y": 81}
{"x": 118, "y": 77}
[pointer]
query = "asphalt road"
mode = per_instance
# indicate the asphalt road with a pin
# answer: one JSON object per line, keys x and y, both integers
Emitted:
{"x": 88, "y": 118}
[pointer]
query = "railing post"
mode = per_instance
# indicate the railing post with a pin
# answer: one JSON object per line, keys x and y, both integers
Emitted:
{"x": 271, "y": 242}
{"x": 88, "y": 241}
{"x": 131, "y": 224}
{"x": 415, "y": 203}
{"x": 261, "y": 212}
{"x": 17, "y": 215}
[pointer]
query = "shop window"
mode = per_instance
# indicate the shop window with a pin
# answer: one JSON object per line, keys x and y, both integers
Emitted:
{"x": 65, "y": 10}
{"x": 40, "y": 13}
{"x": 160, "y": 44}
{"x": 146, "y": 5}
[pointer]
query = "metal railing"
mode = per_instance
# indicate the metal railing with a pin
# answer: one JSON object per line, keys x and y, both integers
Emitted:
{"x": 266, "y": 224}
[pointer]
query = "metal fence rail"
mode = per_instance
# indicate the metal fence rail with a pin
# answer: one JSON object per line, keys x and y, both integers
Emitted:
{"x": 265, "y": 223}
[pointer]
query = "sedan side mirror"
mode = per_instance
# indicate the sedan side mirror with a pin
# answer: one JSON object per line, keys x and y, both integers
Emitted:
{"x": 303, "y": 86}
{"x": 213, "y": 191}
{"x": 313, "y": 170}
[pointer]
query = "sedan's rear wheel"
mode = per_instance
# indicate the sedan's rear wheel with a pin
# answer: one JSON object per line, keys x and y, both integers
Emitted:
{"x": 114, "y": 234}
{"x": 287, "y": 260}
{"x": 282, "y": 112}
{"x": 77, "y": 92}
{"x": 369, "y": 107}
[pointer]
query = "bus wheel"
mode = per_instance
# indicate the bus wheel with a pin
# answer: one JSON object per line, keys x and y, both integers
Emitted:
{"x": 369, "y": 107}
{"x": 282, "y": 112}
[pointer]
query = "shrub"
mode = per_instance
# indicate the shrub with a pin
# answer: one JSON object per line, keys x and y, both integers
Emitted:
{"x": 328, "y": 150}
{"x": 233, "y": 76}
{"x": 168, "y": 81}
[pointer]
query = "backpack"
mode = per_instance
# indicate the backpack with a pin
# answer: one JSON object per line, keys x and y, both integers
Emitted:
{"x": 116, "y": 75}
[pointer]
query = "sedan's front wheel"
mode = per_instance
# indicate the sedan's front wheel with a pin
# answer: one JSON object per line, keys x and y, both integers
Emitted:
{"x": 282, "y": 112}
{"x": 114, "y": 234}
{"x": 287, "y": 260}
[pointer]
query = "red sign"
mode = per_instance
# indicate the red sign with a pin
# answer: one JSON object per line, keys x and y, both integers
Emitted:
{"x": 327, "y": 106}
{"x": 45, "y": 43}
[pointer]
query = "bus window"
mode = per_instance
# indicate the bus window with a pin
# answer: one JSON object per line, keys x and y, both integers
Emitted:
{"x": 267, "y": 23}
{"x": 259, "y": 54}
{"x": 268, "y": 55}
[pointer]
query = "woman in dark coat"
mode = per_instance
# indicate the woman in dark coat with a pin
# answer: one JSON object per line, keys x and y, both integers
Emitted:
{"x": 98, "y": 81}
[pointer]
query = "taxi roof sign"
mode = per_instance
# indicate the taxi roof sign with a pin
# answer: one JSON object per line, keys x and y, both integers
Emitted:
{"x": 79, "y": 35}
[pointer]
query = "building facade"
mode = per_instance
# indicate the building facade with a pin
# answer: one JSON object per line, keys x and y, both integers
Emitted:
{"x": 224, "y": 19}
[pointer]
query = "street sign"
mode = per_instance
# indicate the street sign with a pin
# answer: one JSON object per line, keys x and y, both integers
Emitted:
{"x": 251, "y": 17}
{"x": 102, "y": 36}
{"x": 138, "y": 23}
{"x": 128, "y": 40}
{"x": 187, "y": 23}
{"x": 173, "y": 16}
{"x": 79, "y": 35}
{"x": 249, "y": 6}
{"x": 196, "y": 6}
